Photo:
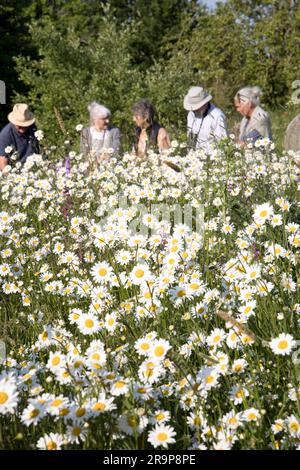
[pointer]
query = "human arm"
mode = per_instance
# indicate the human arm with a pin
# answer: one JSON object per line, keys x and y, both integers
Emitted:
{"x": 163, "y": 139}
{"x": 3, "y": 162}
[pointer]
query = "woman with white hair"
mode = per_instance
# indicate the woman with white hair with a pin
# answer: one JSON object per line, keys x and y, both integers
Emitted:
{"x": 100, "y": 140}
{"x": 256, "y": 122}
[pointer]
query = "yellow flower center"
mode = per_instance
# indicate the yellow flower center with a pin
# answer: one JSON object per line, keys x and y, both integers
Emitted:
{"x": 3, "y": 398}
{"x": 89, "y": 323}
{"x": 96, "y": 356}
{"x": 132, "y": 421}
{"x": 209, "y": 379}
{"x": 57, "y": 402}
{"x": 99, "y": 406}
{"x": 162, "y": 436}
{"x": 181, "y": 293}
{"x": 34, "y": 413}
{"x": 283, "y": 344}
{"x": 120, "y": 384}
{"x": 51, "y": 445}
{"x": 76, "y": 431}
{"x": 55, "y": 360}
{"x": 159, "y": 351}
{"x": 160, "y": 417}
{"x": 80, "y": 412}
{"x": 102, "y": 272}
{"x": 139, "y": 273}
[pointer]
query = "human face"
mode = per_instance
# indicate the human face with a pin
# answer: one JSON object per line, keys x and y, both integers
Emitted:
{"x": 200, "y": 111}
{"x": 245, "y": 108}
{"x": 101, "y": 123}
{"x": 20, "y": 129}
{"x": 140, "y": 121}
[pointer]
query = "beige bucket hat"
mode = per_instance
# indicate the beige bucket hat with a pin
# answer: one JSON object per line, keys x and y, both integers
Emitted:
{"x": 196, "y": 98}
{"x": 21, "y": 116}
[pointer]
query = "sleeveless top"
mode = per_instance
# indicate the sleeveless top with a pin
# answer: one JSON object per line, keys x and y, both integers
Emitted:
{"x": 152, "y": 135}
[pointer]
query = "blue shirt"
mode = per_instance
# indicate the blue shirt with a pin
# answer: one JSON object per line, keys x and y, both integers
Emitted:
{"x": 24, "y": 144}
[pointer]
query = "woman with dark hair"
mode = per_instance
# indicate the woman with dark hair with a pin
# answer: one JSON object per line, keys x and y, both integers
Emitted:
{"x": 148, "y": 133}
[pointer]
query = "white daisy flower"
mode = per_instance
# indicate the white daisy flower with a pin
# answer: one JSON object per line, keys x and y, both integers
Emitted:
{"x": 161, "y": 436}
{"x": 283, "y": 344}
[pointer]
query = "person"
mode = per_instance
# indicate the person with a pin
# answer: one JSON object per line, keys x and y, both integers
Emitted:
{"x": 17, "y": 138}
{"x": 100, "y": 135}
{"x": 256, "y": 122}
{"x": 206, "y": 124}
{"x": 148, "y": 132}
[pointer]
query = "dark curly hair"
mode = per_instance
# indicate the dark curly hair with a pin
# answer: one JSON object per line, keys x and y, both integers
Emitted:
{"x": 146, "y": 110}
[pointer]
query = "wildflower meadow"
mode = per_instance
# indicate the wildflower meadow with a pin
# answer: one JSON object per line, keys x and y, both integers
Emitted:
{"x": 127, "y": 326}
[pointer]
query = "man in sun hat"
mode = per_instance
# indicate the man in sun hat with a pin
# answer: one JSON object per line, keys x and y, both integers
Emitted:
{"x": 17, "y": 139}
{"x": 206, "y": 124}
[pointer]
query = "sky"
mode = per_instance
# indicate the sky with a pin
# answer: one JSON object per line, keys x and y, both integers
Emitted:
{"x": 211, "y": 3}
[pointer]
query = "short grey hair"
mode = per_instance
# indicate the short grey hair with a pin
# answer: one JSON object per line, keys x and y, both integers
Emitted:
{"x": 249, "y": 93}
{"x": 97, "y": 110}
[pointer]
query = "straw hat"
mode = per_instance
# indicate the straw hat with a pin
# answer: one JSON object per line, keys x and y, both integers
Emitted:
{"x": 196, "y": 98}
{"x": 21, "y": 116}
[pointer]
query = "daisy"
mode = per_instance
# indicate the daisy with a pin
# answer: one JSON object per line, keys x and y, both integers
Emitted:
{"x": 216, "y": 337}
{"x": 88, "y": 324}
{"x": 283, "y": 344}
{"x": 278, "y": 426}
{"x": 237, "y": 394}
{"x": 8, "y": 395}
{"x": 247, "y": 310}
{"x": 58, "y": 248}
{"x": 110, "y": 322}
{"x": 171, "y": 261}
{"x": 56, "y": 361}
{"x": 33, "y": 413}
{"x": 250, "y": 415}
{"x": 132, "y": 424}
{"x": 120, "y": 387}
{"x": 239, "y": 365}
{"x": 161, "y": 435}
{"x": 52, "y": 441}
{"x": 208, "y": 377}
{"x": 195, "y": 287}
{"x": 102, "y": 404}
{"x": 143, "y": 346}
{"x": 276, "y": 220}
{"x": 232, "y": 420}
{"x": 150, "y": 371}
{"x": 75, "y": 315}
{"x": 76, "y": 433}
{"x": 96, "y": 359}
{"x": 293, "y": 425}
{"x": 58, "y": 405}
{"x": 263, "y": 213}
{"x": 294, "y": 240}
{"x": 160, "y": 417}
{"x": 159, "y": 349}
{"x": 102, "y": 272}
{"x": 123, "y": 257}
{"x": 196, "y": 420}
{"x": 140, "y": 274}
{"x": 253, "y": 272}
{"x": 291, "y": 228}
{"x": 227, "y": 228}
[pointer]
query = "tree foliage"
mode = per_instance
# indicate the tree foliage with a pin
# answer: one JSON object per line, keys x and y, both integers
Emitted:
{"x": 116, "y": 52}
